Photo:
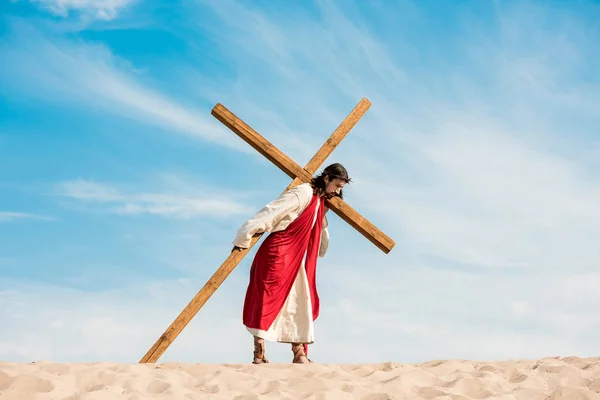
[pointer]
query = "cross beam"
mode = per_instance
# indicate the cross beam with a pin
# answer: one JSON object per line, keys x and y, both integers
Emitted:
{"x": 294, "y": 171}
{"x": 299, "y": 175}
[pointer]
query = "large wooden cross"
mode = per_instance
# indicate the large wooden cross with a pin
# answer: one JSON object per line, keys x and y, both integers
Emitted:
{"x": 299, "y": 175}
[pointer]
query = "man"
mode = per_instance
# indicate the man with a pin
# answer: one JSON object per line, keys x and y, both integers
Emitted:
{"x": 281, "y": 301}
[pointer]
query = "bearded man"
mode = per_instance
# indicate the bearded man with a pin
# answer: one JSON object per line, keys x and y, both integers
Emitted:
{"x": 281, "y": 301}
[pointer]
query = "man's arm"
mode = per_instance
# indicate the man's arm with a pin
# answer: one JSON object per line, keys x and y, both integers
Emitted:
{"x": 324, "y": 237}
{"x": 266, "y": 218}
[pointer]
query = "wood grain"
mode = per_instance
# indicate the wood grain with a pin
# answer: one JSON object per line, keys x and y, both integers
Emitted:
{"x": 259, "y": 143}
{"x": 361, "y": 224}
{"x": 188, "y": 313}
{"x": 337, "y": 136}
{"x": 177, "y": 326}
{"x": 287, "y": 165}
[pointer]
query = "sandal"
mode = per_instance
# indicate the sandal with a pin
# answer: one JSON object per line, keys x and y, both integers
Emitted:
{"x": 299, "y": 354}
{"x": 259, "y": 351}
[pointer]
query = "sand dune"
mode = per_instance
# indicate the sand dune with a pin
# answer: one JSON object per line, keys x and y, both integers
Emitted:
{"x": 546, "y": 379}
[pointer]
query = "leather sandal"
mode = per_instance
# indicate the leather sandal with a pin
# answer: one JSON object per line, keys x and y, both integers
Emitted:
{"x": 259, "y": 351}
{"x": 299, "y": 354}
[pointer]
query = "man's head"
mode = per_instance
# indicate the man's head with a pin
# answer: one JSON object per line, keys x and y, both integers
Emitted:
{"x": 331, "y": 181}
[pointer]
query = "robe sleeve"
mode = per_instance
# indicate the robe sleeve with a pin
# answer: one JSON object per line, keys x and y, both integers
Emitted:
{"x": 324, "y": 238}
{"x": 267, "y": 218}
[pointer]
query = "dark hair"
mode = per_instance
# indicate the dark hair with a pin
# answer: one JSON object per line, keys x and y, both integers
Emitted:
{"x": 333, "y": 171}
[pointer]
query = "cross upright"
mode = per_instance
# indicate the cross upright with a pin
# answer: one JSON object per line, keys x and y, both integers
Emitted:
{"x": 299, "y": 175}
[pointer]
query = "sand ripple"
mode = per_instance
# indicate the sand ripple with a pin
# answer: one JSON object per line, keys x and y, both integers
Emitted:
{"x": 546, "y": 379}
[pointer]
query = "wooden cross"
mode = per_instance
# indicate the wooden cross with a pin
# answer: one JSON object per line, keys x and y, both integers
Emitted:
{"x": 299, "y": 175}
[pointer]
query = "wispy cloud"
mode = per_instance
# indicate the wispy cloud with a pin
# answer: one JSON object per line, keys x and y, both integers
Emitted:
{"x": 91, "y": 78}
{"x": 55, "y": 323}
{"x": 101, "y": 9}
{"x": 440, "y": 314}
{"x": 557, "y": 318}
{"x": 493, "y": 200}
{"x": 6, "y": 216}
{"x": 471, "y": 163}
{"x": 476, "y": 155}
{"x": 181, "y": 203}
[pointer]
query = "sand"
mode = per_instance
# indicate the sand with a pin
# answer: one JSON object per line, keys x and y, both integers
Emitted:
{"x": 549, "y": 378}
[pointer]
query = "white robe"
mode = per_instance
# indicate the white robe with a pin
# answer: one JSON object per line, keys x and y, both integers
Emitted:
{"x": 294, "y": 323}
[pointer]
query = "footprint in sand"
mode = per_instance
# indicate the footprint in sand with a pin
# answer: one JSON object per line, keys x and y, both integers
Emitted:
{"x": 157, "y": 387}
{"x": 98, "y": 388}
{"x": 378, "y": 396}
{"x": 88, "y": 382}
{"x": 246, "y": 397}
{"x": 518, "y": 377}
{"x": 5, "y": 381}
{"x": 431, "y": 393}
{"x": 348, "y": 388}
{"x": 473, "y": 388}
{"x": 574, "y": 361}
{"x": 208, "y": 388}
{"x": 26, "y": 383}
{"x": 551, "y": 369}
{"x": 571, "y": 393}
{"x": 273, "y": 386}
{"x": 594, "y": 385}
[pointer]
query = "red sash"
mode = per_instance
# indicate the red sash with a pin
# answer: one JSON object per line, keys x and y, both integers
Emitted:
{"x": 276, "y": 266}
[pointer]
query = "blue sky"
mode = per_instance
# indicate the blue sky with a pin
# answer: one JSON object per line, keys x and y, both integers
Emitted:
{"x": 121, "y": 194}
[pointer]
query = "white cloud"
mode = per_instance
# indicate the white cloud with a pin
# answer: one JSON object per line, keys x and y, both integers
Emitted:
{"x": 493, "y": 200}
{"x": 100, "y": 9}
{"x": 470, "y": 318}
{"x": 91, "y": 78}
{"x": 89, "y": 191}
{"x": 463, "y": 159}
{"x": 182, "y": 203}
{"x": 478, "y": 156}
{"x": 12, "y": 216}
{"x": 466, "y": 164}
{"x": 61, "y": 324}
{"x": 423, "y": 313}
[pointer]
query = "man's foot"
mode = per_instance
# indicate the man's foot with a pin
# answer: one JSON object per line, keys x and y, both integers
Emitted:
{"x": 299, "y": 354}
{"x": 259, "y": 351}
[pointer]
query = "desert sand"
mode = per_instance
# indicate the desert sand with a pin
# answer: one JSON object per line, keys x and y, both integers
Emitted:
{"x": 549, "y": 378}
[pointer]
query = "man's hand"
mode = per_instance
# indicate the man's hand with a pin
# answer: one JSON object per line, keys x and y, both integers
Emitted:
{"x": 235, "y": 248}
